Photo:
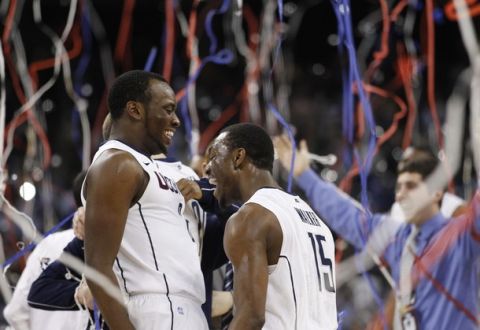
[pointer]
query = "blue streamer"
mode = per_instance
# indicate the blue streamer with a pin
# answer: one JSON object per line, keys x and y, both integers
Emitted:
{"x": 87, "y": 49}
{"x": 151, "y": 59}
{"x": 96, "y": 315}
{"x": 208, "y": 24}
{"x": 340, "y": 317}
{"x": 342, "y": 12}
{"x": 347, "y": 97}
{"x": 30, "y": 246}
{"x": 280, "y": 10}
{"x": 292, "y": 141}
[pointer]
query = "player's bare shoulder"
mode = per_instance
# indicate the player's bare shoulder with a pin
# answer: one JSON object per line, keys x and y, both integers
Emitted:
{"x": 117, "y": 166}
{"x": 251, "y": 217}
{"x": 119, "y": 161}
{"x": 252, "y": 224}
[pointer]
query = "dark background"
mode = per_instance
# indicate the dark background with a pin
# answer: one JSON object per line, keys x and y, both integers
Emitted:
{"x": 310, "y": 67}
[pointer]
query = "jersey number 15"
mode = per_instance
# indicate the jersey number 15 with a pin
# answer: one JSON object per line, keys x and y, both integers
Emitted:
{"x": 316, "y": 240}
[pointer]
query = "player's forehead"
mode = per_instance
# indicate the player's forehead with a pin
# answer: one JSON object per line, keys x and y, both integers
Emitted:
{"x": 161, "y": 94}
{"x": 160, "y": 85}
{"x": 409, "y": 177}
{"x": 219, "y": 145}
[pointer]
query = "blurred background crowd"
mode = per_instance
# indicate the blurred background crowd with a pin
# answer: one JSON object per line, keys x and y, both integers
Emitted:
{"x": 231, "y": 61}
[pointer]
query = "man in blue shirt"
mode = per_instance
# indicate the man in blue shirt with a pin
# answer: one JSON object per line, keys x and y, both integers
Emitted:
{"x": 444, "y": 274}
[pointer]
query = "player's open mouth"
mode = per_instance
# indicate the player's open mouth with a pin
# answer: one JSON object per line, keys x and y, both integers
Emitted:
{"x": 169, "y": 133}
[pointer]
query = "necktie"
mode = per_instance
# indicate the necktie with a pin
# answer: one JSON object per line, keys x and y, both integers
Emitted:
{"x": 421, "y": 243}
{"x": 227, "y": 286}
{"x": 406, "y": 264}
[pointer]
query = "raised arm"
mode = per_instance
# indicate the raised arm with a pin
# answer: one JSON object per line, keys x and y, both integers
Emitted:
{"x": 342, "y": 213}
{"x": 247, "y": 240}
{"x": 114, "y": 183}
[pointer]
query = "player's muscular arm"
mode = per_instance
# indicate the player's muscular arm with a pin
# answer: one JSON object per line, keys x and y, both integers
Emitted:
{"x": 113, "y": 183}
{"x": 246, "y": 243}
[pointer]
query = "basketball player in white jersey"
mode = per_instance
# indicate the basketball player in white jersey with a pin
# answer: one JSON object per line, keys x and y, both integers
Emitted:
{"x": 194, "y": 215}
{"x": 282, "y": 252}
{"x": 135, "y": 233}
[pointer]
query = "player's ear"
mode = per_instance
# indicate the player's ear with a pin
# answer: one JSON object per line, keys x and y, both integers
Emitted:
{"x": 135, "y": 110}
{"x": 239, "y": 156}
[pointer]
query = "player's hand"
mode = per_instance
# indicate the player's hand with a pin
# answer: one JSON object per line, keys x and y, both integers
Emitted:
{"x": 222, "y": 302}
{"x": 83, "y": 295}
{"x": 189, "y": 189}
{"x": 283, "y": 149}
{"x": 79, "y": 223}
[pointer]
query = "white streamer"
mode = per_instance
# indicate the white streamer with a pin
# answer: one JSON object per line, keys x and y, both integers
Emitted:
{"x": 2, "y": 109}
{"x": 35, "y": 97}
{"x": 470, "y": 41}
{"x": 105, "y": 51}
{"x": 475, "y": 114}
{"x": 329, "y": 159}
{"x": 5, "y": 288}
{"x": 22, "y": 220}
{"x": 250, "y": 68}
{"x": 71, "y": 17}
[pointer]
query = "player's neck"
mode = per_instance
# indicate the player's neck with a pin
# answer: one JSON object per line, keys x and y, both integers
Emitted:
{"x": 256, "y": 180}
{"x": 130, "y": 137}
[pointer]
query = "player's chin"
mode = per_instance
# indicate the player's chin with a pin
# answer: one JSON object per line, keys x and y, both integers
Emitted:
{"x": 216, "y": 194}
{"x": 166, "y": 141}
{"x": 163, "y": 146}
{"x": 222, "y": 202}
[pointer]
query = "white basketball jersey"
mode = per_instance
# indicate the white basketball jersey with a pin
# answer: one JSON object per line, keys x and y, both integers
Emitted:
{"x": 301, "y": 287}
{"x": 195, "y": 216}
{"x": 157, "y": 254}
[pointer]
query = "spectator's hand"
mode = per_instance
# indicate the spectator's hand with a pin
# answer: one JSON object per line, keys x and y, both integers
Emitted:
{"x": 222, "y": 302}
{"x": 189, "y": 189}
{"x": 79, "y": 223}
{"x": 83, "y": 295}
{"x": 283, "y": 148}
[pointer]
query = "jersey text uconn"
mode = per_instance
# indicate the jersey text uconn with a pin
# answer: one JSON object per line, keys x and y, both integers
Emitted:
{"x": 167, "y": 183}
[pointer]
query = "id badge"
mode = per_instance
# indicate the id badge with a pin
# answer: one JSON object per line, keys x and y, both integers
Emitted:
{"x": 409, "y": 322}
